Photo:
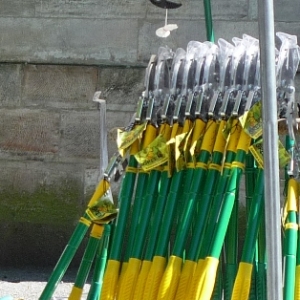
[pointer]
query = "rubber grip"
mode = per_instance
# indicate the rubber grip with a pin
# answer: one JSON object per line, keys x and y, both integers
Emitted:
{"x": 209, "y": 136}
{"x": 185, "y": 279}
{"x": 297, "y": 283}
{"x": 128, "y": 282}
{"x": 149, "y": 136}
{"x": 121, "y": 276}
{"x": 204, "y": 279}
{"x": 242, "y": 284}
{"x": 170, "y": 279}
{"x": 75, "y": 293}
{"x": 244, "y": 142}
{"x": 220, "y": 141}
{"x": 292, "y": 195}
{"x": 154, "y": 278}
{"x": 110, "y": 280}
{"x": 234, "y": 136}
{"x": 141, "y": 281}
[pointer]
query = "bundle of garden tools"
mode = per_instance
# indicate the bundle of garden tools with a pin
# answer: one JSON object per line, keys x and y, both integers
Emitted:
{"x": 196, "y": 136}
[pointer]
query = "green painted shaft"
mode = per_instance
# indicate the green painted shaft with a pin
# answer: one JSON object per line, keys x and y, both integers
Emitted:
{"x": 101, "y": 258}
{"x": 290, "y": 250}
{"x": 254, "y": 219}
{"x": 65, "y": 259}
{"x": 87, "y": 261}
{"x": 136, "y": 211}
{"x": 145, "y": 214}
{"x": 122, "y": 218}
{"x": 208, "y": 21}
{"x": 165, "y": 229}
{"x": 204, "y": 201}
{"x": 165, "y": 182}
{"x": 215, "y": 208}
{"x": 189, "y": 205}
{"x": 227, "y": 206}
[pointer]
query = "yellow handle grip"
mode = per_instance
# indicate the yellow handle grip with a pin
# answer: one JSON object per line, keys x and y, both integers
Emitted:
{"x": 220, "y": 141}
{"x": 244, "y": 141}
{"x": 102, "y": 187}
{"x": 121, "y": 276}
{"x": 110, "y": 280}
{"x": 204, "y": 279}
{"x": 242, "y": 284}
{"x": 141, "y": 281}
{"x": 297, "y": 283}
{"x": 292, "y": 195}
{"x": 185, "y": 279}
{"x": 170, "y": 279}
{"x": 75, "y": 294}
{"x": 149, "y": 136}
{"x": 209, "y": 136}
{"x": 154, "y": 277}
{"x": 234, "y": 136}
{"x": 129, "y": 280}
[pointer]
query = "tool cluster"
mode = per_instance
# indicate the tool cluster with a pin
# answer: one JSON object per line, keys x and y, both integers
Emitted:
{"x": 176, "y": 234}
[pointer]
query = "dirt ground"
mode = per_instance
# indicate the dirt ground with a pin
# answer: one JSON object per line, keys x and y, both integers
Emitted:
{"x": 28, "y": 283}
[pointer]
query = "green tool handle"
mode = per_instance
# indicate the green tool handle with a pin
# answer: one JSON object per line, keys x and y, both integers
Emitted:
{"x": 96, "y": 285}
{"x": 213, "y": 214}
{"x": 165, "y": 182}
{"x": 208, "y": 21}
{"x": 145, "y": 214}
{"x": 186, "y": 218}
{"x": 86, "y": 262}
{"x": 136, "y": 212}
{"x": 254, "y": 219}
{"x": 66, "y": 257}
{"x": 204, "y": 204}
{"x": 125, "y": 201}
{"x": 165, "y": 228}
{"x": 290, "y": 242}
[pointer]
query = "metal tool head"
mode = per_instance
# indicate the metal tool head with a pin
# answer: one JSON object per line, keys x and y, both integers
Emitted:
{"x": 149, "y": 85}
{"x": 225, "y": 60}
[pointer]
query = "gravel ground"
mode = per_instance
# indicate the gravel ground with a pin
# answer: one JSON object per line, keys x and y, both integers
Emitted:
{"x": 28, "y": 283}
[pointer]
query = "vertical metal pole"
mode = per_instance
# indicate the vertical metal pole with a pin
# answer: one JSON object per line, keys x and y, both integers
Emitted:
{"x": 208, "y": 21}
{"x": 270, "y": 144}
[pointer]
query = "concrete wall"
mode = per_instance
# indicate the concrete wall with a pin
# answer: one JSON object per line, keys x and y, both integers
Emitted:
{"x": 54, "y": 54}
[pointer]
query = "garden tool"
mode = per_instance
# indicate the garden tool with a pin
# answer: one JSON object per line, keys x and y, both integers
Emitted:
{"x": 130, "y": 277}
{"x": 161, "y": 83}
{"x": 288, "y": 61}
{"x": 165, "y": 180}
{"x": 212, "y": 177}
{"x": 159, "y": 257}
{"x": 98, "y": 210}
{"x": 203, "y": 281}
{"x": 171, "y": 275}
{"x": 111, "y": 275}
{"x": 96, "y": 285}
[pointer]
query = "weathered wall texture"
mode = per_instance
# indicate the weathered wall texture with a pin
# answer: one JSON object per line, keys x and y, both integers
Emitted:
{"x": 54, "y": 54}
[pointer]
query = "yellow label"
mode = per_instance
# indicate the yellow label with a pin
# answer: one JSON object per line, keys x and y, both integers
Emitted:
{"x": 257, "y": 151}
{"x": 251, "y": 121}
{"x": 179, "y": 150}
{"x": 103, "y": 211}
{"x": 126, "y": 138}
{"x": 154, "y": 155}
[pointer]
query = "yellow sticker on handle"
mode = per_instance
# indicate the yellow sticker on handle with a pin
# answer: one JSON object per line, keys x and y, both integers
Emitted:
{"x": 127, "y": 138}
{"x": 154, "y": 155}
{"x": 257, "y": 151}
